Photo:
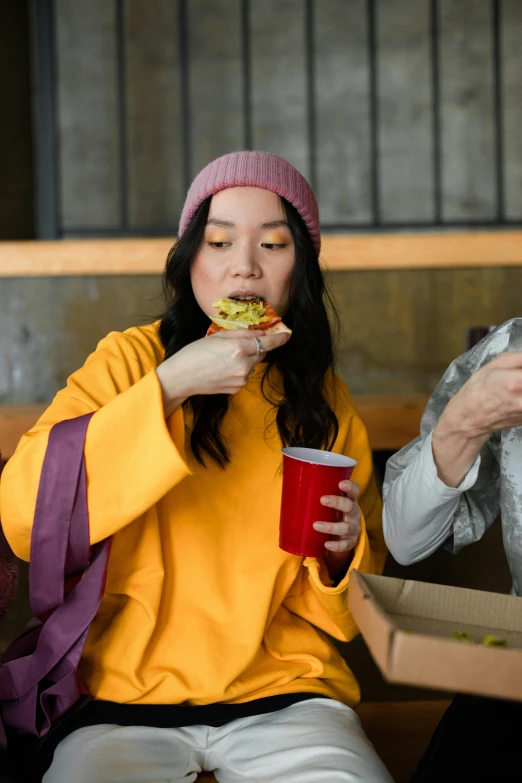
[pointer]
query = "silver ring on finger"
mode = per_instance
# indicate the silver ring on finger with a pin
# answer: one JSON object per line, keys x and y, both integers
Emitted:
{"x": 259, "y": 346}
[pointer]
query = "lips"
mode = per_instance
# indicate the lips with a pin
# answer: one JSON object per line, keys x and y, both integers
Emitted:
{"x": 244, "y": 294}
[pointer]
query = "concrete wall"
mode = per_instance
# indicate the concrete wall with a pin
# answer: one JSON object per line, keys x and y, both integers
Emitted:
{"x": 400, "y": 329}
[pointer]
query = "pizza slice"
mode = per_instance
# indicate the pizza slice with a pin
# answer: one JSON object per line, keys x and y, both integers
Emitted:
{"x": 246, "y": 314}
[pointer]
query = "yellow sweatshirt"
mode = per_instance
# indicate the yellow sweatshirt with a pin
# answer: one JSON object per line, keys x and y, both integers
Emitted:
{"x": 200, "y": 606}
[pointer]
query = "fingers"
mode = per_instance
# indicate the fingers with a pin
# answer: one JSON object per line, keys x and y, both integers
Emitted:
{"x": 510, "y": 382}
{"x": 347, "y": 534}
{"x": 348, "y": 529}
{"x": 236, "y": 352}
{"x": 339, "y": 502}
{"x": 246, "y": 338}
{"x": 350, "y": 488}
{"x": 260, "y": 343}
{"x": 239, "y": 334}
{"x": 343, "y": 503}
{"x": 508, "y": 360}
{"x": 342, "y": 544}
{"x": 266, "y": 342}
{"x": 272, "y": 341}
{"x": 333, "y": 528}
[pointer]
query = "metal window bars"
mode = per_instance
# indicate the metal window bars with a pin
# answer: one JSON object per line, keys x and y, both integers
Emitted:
{"x": 45, "y": 113}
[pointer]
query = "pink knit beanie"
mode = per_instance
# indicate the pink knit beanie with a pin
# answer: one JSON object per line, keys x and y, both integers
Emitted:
{"x": 258, "y": 170}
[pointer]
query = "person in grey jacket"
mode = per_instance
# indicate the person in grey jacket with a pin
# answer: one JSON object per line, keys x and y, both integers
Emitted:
{"x": 446, "y": 488}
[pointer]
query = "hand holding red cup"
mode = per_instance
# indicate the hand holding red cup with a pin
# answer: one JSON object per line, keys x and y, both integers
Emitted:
{"x": 308, "y": 476}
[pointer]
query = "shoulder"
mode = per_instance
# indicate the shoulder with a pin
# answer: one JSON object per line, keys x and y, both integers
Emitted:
{"x": 351, "y": 426}
{"x": 139, "y": 344}
{"x": 120, "y": 360}
{"x": 353, "y": 438}
{"x": 339, "y": 397}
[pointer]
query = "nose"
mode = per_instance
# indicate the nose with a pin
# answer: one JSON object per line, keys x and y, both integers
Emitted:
{"x": 244, "y": 263}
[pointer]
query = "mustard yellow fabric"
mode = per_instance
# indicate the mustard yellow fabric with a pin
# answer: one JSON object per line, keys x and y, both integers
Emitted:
{"x": 201, "y": 605}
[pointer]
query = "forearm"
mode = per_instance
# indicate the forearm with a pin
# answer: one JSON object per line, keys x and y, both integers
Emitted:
{"x": 420, "y": 507}
{"x": 132, "y": 459}
{"x": 173, "y": 390}
{"x": 333, "y": 597}
{"x": 454, "y": 448}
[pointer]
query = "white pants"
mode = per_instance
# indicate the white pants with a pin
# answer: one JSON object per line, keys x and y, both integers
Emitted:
{"x": 315, "y": 741}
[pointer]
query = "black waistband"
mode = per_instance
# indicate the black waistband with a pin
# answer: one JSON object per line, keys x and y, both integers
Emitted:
{"x": 164, "y": 716}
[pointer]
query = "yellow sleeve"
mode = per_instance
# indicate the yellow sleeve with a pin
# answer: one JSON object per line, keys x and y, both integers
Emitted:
{"x": 133, "y": 457}
{"x": 319, "y": 601}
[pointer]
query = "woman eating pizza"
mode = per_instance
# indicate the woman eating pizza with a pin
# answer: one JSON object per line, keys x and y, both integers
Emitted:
{"x": 211, "y": 648}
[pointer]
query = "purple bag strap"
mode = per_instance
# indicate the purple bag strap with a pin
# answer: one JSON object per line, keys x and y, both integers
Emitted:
{"x": 60, "y": 536}
{"x": 62, "y": 637}
{"x": 59, "y": 547}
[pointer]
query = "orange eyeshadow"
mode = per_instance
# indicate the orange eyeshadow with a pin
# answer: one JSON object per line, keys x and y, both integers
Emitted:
{"x": 276, "y": 239}
{"x": 216, "y": 236}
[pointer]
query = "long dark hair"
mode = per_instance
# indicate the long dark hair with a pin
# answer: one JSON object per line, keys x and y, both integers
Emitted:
{"x": 303, "y": 413}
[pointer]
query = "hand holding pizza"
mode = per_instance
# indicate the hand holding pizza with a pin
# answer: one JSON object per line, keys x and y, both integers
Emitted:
{"x": 219, "y": 364}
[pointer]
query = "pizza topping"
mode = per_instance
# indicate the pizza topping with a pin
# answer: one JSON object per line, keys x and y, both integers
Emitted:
{"x": 246, "y": 312}
{"x": 461, "y": 636}
{"x": 239, "y": 313}
{"x": 488, "y": 640}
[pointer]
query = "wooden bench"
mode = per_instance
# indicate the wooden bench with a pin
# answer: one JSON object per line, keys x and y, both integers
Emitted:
{"x": 400, "y": 732}
{"x": 392, "y": 420}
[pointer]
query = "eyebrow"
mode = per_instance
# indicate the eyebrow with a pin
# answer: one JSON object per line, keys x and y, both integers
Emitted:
{"x": 230, "y": 224}
{"x": 275, "y": 224}
{"x": 221, "y": 223}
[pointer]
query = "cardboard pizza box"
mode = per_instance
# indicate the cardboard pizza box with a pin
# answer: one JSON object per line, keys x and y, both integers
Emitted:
{"x": 408, "y": 628}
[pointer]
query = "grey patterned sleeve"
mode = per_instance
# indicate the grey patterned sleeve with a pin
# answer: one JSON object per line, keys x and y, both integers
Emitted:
{"x": 421, "y": 513}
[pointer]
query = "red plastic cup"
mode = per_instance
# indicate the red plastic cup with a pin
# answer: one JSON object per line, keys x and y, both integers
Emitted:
{"x": 308, "y": 474}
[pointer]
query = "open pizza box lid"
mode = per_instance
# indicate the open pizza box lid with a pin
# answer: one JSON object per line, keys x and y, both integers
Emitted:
{"x": 408, "y": 625}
